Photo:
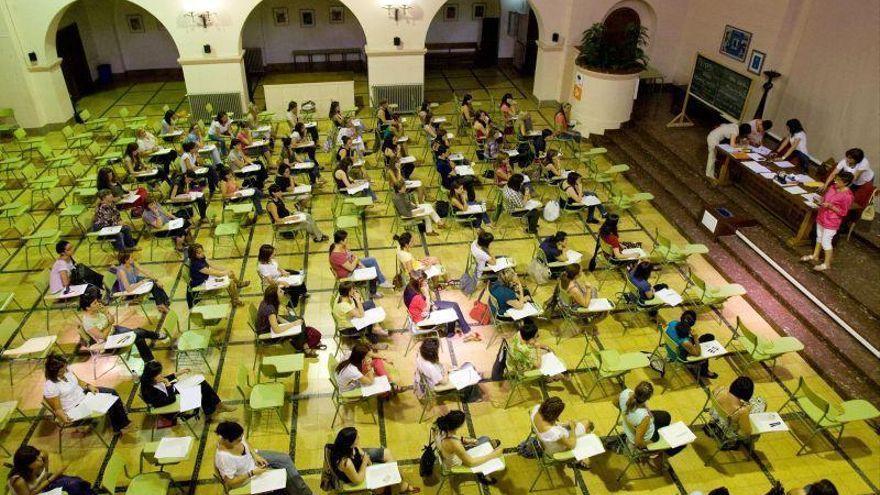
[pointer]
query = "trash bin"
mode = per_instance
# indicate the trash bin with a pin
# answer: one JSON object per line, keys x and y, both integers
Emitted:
{"x": 105, "y": 74}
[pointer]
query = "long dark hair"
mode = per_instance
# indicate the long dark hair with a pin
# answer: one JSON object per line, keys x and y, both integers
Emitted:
{"x": 152, "y": 369}
{"x": 168, "y": 115}
{"x": 103, "y": 179}
{"x": 338, "y": 236}
{"x": 334, "y": 107}
{"x": 450, "y": 421}
{"x": 429, "y": 350}
{"x": 643, "y": 392}
{"x": 21, "y": 461}
{"x": 794, "y": 126}
{"x": 270, "y": 296}
{"x": 642, "y": 270}
{"x": 356, "y": 358}
{"x": 53, "y": 365}
{"x": 403, "y": 239}
{"x": 516, "y": 182}
{"x": 571, "y": 272}
{"x": 343, "y": 446}
{"x": 609, "y": 226}
{"x": 266, "y": 252}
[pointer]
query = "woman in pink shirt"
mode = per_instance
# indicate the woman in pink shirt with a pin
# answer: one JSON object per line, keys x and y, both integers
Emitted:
{"x": 834, "y": 207}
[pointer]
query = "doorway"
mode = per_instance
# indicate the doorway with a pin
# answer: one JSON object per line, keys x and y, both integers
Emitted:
{"x": 74, "y": 64}
{"x": 525, "y": 50}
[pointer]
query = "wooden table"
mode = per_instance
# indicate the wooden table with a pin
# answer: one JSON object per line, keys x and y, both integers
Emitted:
{"x": 790, "y": 208}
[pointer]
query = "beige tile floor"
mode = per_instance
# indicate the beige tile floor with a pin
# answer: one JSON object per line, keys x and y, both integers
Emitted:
{"x": 853, "y": 464}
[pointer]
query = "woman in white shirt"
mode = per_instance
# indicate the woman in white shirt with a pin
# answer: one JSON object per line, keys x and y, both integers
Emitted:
{"x": 454, "y": 448}
{"x": 556, "y": 436}
{"x": 432, "y": 373}
{"x": 189, "y": 163}
{"x": 480, "y": 252}
{"x": 360, "y": 369}
{"x": 148, "y": 146}
{"x": 270, "y": 273}
{"x": 292, "y": 114}
{"x": 795, "y": 145}
{"x": 236, "y": 462}
{"x": 63, "y": 391}
{"x": 219, "y": 130}
{"x": 856, "y": 164}
{"x": 733, "y": 133}
{"x": 640, "y": 424}
{"x": 62, "y": 270}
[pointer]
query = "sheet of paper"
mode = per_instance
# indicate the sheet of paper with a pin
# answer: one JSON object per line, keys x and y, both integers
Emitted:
{"x": 762, "y": 150}
{"x": 588, "y": 446}
{"x": 173, "y": 447}
{"x": 438, "y": 120}
{"x": 529, "y": 309}
{"x": 532, "y": 204}
{"x": 670, "y": 297}
{"x": 100, "y": 403}
{"x": 677, "y": 434}
{"x": 244, "y": 193}
{"x": 551, "y": 365}
{"x": 381, "y": 475}
{"x": 456, "y": 157}
{"x": 363, "y": 186}
{"x": 512, "y": 153}
{"x": 463, "y": 170}
{"x": 407, "y": 159}
{"x": 795, "y": 190}
{"x": 201, "y": 170}
{"x": 189, "y": 381}
{"x": 302, "y": 189}
{"x": 295, "y": 218}
{"x": 726, "y": 147}
{"x": 433, "y": 271}
{"x": 216, "y": 282}
{"x": 768, "y": 175}
{"x": 711, "y": 349}
{"x": 574, "y": 256}
{"x": 490, "y": 466}
{"x": 257, "y": 144}
{"x": 371, "y": 317}
{"x": 36, "y": 344}
{"x": 756, "y": 156}
{"x": 107, "y": 231}
{"x": 190, "y": 398}
{"x": 54, "y": 491}
{"x": 599, "y": 305}
{"x": 304, "y": 166}
{"x": 172, "y": 134}
{"x": 128, "y": 199}
{"x": 464, "y": 377}
{"x": 500, "y": 264}
{"x": 196, "y": 194}
{"x": 79, "y": 411}
{"x": 287, "y": 330}
{"x": 403, "y": 139}
{"x": 591, "y": 200}
{"x": 767, "y": 422}
{"x": 380, "y": 385}
{"x": 784, "y": 164}
{"x": 639, "y": 252}
{"x": 147, "y": 173}
{"x": 756, "y": 167}
{"x": 803, "y": 178}
{"x": 176, "y": 223}
{"x": 249, "y": 169}
{"x": 270, "y": 481}
{"x": 207, "y": 149}
{"x": 363, "y": 274}
{"x": 439, "y": 317}
{"x": 119, "y": 340}
{"x": 413, "y": 184}
{"x": 474, "y": 209}
{"x": 74, "y": 291}
{"x": 140, "y": 289}
{"x": 311, "y": 124}
{"x": 292, "y": 280}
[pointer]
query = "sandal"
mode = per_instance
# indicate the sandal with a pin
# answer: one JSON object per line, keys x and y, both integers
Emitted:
{"x": 410, "y": 489}
{"x": 321, "y": 347}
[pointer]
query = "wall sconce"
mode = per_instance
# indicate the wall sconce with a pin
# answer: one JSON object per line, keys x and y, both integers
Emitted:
{"x": 395, "y": 10}
{"x": 203, "y": 19}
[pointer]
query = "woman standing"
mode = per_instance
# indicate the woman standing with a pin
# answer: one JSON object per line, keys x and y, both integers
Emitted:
{"x": 835, "y": 205}
{"x": 30, "y": 475}
{"x": 795, "y": 145}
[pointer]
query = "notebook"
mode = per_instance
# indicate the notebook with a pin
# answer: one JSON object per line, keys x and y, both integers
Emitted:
{"x": 490, "y": 466}
{"x": 677, "y": 434}
{"x": 270, "y": 481}
{"x": 371, "y": 317}
{"x": 588, "y": 446}
{"x": 669, "y": 297}
{"x": 527, "y": 310}
{"x": 380, "y": 475}
{"x": 464, "y": 377}
{"x": 551, "y": 365}
{"x": 380, "y": 385}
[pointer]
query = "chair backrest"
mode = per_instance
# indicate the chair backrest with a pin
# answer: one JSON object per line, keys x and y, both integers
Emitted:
{"x": 67, "y": 131}
{"x": 123, "y": 112}
{"x": 252, "y": 316}
{"x": 112, "y": 473}
{"x": 243, "y": 382}
{"x": 7, "y": 329}
{"x": 331, "y": 372}
{"x": 750, "y": 339}
{"x": 818, "y": 401}
{"x": 171, "y": 322}
{"x": 19, "y": 133}
{"x": 671, "y": 345}
{"x": 85, "y": 115}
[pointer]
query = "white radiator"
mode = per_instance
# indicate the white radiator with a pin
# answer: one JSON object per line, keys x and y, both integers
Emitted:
{"x": 219, "y": 102}
{"x": 408, "y": 97}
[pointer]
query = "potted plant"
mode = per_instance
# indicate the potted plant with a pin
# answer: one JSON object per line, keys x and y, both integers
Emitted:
{"x": 606, "y": 76}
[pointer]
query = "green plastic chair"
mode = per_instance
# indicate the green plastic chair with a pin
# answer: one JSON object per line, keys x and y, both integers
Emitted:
{"x": 726, "y": 437}
{"x": 264, "y": 341}
{"x": 7, "y": 409}
{"x": 260, "y": 397}
{"x": 42, "y": 240}
{"x": 699, "y": 293}
{"x": 610, "y": 364}
{"x": 197, "y": 341}
{"x": 148, "y": 454}
{"x": 759, "y": 349}
{"x": 518, "y": 381}
{"x": 229, "y": 230}
{"x": 668, "y": 253}
{"x": 12, "y": 355}
{"x": 155, "y": 412}
{"x": 156, "y": 483}
{"x": 546, "y": 461}
{"x": 339, "y": 398}
{"x": 94, "y": 420}
{"x": 337, "y": 485}
{"x": 827, "y": 416}
{"x": 431, "y": 395}
{"x": 78, "y": 142}
{"x": 244, "y": 489}
{"x": 92, "y": 124}
{"x": 634, "y": 454}
{"x": 447, "y": 473}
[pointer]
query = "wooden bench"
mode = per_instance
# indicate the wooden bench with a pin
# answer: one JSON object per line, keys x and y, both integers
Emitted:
{"x": 338, "y": 57}
{"x": 452, "y": 52}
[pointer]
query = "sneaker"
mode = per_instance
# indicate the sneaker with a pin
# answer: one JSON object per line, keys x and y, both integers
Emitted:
{"x": 808, "y": 257}
{"x": 820, "y": 268}
{"x": 386, "y": 285}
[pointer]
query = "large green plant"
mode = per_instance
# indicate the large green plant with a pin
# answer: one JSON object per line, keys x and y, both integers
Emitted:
{"x": 622, "y": 54}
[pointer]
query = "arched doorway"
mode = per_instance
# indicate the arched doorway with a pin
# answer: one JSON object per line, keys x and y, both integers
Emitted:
{"x": 619, "y": 21}
{"x": 102, "y": 40}
{"x": 465, "y": 33}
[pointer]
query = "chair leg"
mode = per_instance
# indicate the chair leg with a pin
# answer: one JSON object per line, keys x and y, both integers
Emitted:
{"x": 541, "y": 471}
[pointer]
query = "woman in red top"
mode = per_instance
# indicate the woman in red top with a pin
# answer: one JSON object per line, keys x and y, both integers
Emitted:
{"x": 419, "y": 303}
{"x": 562, "y": 123}
{"x": 609, "y": 237}
{"x": 343, "y": 262}
{"x": 835, "y": 205}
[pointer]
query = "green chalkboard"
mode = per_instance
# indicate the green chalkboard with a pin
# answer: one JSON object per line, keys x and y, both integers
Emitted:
{"x": 722, "y": 88}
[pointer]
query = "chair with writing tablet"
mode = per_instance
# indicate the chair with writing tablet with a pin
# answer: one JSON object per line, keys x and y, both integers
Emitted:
{"x": 629, "y": 450}
{"x": 667, "y": 351}
{"x": 590, "y": 157}
{"x": 577, "y": 320}
{"x": 107, "y": 243}
{"x": 727, "y": 436}
{"x": 93, "y": 421}
{"x": 53, "y": 302}
{"x": 148, "y": 454}
{"x": 619, "y": 201}
{"x": 666, "y": 252}
{"x": 338, "y": 486}
{"x": 420, "y": 332}
{"x": 823, "y": 415}
{"x": 154, "y": 483}
{"x": 629, "y": 299}
{"x": 610, "y": 364}
{"x": 760, "y": 349}
{"x": 546, "y": 460}
{"x": 170, "y": 409}
{"x": 350, "y": 398}
{"x": 191, "y": 341}
{"x": 260, "y": 397}
{"x": 31, "y": 349}
{"x": 273, "y": 366}
{"x": 244, "y": 489}
{"x": 447, "y": 473}
{"x": 120, "y": 297}
{"x": 97, "y": 350}
{"x": 517, "y": 380}
{"x": 431, "y": 395}
{"x": 340, "y": 332}
{"x": 699, "y": 293}
{"x": 7, "y": 409}
{"x": 500, "y": 327}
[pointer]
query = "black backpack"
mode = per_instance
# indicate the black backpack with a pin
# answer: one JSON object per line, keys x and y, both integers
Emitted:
{"x": 500, "y": 365}
{"x": 427, "y": 460}
{"x": 442, "y": 208}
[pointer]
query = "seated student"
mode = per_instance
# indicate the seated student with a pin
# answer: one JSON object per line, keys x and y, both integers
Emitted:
{"x": 458, "y": 200}
{"x": 148, "y": 146}
{"x": 66, "y": 271}
{"x": 335, "y": 114}
{"x": 482, "y": 257}
{"x": 219, "y": 130}
{"x": 509, "y": 292}
{"x": 516, "y": 197}
{"x": 182, "y": 184}
{"x": 453, "y": 447}
{"x": 432, "y": 373}
{"x": 639, "y": 275}
{"x": 360, "y": 368}
{"x": 344, "y": 181}
{"x": 288, "y": 159}
{"x": 270, "y": 273}
{"x": 525, "y": 352}
{"x": 573, "y": 282}
{"x": 406, "y": 258}
{"x": 159, "y": 391}
{"x": 131, "y": 160}
{"x": 794, "y": 145}
{"x": 292, "y": 114}
{"x": 107, "y": 215}
{"x": 641, "y": 423}
{"x": 63, "y": 391}
{"x": 482, "y": 132}
{"x": 286, "y": 180}
{"x": 269, "y": 321}
{"x": 229, "y": 191}
{"x": 681, "y": 332}
{"x": 351, "y": 135}
{"x": 551, "y": 166}
{"x": 503, "y": 170}
{"x": 574, "y": 194}
{"x": 466, "y": 109}
{"x": 555, "y": 249}
{"x": 107, "y": 179}
{"x": 525, "y": 130}
{"x": 343, "y": 262}
{"x": 821, "y": 487}
{"x": 303, "y": 142}
{"x": 855, "y": 163}
{"x": 249, "y": 144}
{"x": 350, "y": 304}
{"x": 279, "y": 214}
{"x": 258, "y": 131}
{"x": 157, "y": 218}
{"x": 195, "y": 136}
{"x": 419, "y": 303}
{"x": 99, "y": 323}
{"x": 610, "y": 242}
{"x": 130, "y": 274}
{"x": 448, "y": 175}
{"x": 200, "y": 270}
{"x": 736, "y": 403}
{"x": 190, "y": 163}
{"x": 349, "y": 461}
{"x": 737, "y": 135}
{"x": 236, "y": 462}
{"x": 758, "y": 129}
{"x": 407, "y": 209}
{"x": 169, "y": 123}
{"x": 30, "y": 475}
{"x": 238, "y": 159}
{"x": 556, "y": 436}
{"x": 564, "y": 130}
{"x": 396, "y": 177}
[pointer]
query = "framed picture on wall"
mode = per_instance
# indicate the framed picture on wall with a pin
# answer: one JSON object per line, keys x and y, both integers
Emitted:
{"x": 307, "y": 18}
{"x": 450, "y": 12}
{"x": 479, "y": 11}
{"x": 337, "y": 14}
{"x": 135, "y": 23}
{"x": 280, "y": 16}
{"x": 756, "y": 62}
{"x": 735, "y": 43}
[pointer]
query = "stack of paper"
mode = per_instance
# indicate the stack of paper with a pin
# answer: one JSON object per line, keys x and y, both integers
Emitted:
{"x": 128, "y": 199}
{"x": 756, "y": 156}
{"x": 194, "y": 195}
{"x": 270, "y": 481}
{"x": 363, "y": 274}
{"x": 380, "y": 385}
{"x": 201, "y": 171}
{"x": 140, "y": 288}
{"x": 711, "y": 349}
{"x": 670, "y": 297}
{"x": 190, "y": 398}
{"x": 292, "y": 280}
{"x": 551, "y": 365}
{"x": 768, "y": 175}
{"x": 464, "y": 377}
{"x": 173, "y": 448}
{"x": 588, "y": 446}
{"x": 381, "y": 475}
{"x": 371, "y": 317}
{"x": 767, "y": 422}
{"x": 119, "y": 340}
{"x": 529, "y": 309}
{"x": 176, "y": 223}
{"x": 677, "y": 434}
{"x": 490, "y": 466}
{"x": 439, "y": 317}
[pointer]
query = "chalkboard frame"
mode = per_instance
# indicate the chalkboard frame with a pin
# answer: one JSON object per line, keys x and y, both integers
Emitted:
{"x": 681, "y": 120}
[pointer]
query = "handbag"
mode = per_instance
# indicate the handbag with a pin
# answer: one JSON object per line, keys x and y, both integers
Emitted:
{"x": 499, "y": 367}
{"x": 467, "y": 283}
{"x": 480, "y": 313}
{"x": 551, "y": 211}
{"x": 593, "y": 260}
{"x": 427, "y": 460}
{"x": 539, "y": 272}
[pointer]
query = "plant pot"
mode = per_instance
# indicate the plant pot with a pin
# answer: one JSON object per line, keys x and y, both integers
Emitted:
{"x": 605, "y": 102}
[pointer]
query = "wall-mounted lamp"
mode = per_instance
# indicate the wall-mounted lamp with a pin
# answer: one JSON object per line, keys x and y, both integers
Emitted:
{"x": 397, "y": 11}
{"x": 203, "y": 19}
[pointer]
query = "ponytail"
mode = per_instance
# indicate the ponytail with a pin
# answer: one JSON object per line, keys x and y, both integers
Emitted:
{"x": 643, "y": 392}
